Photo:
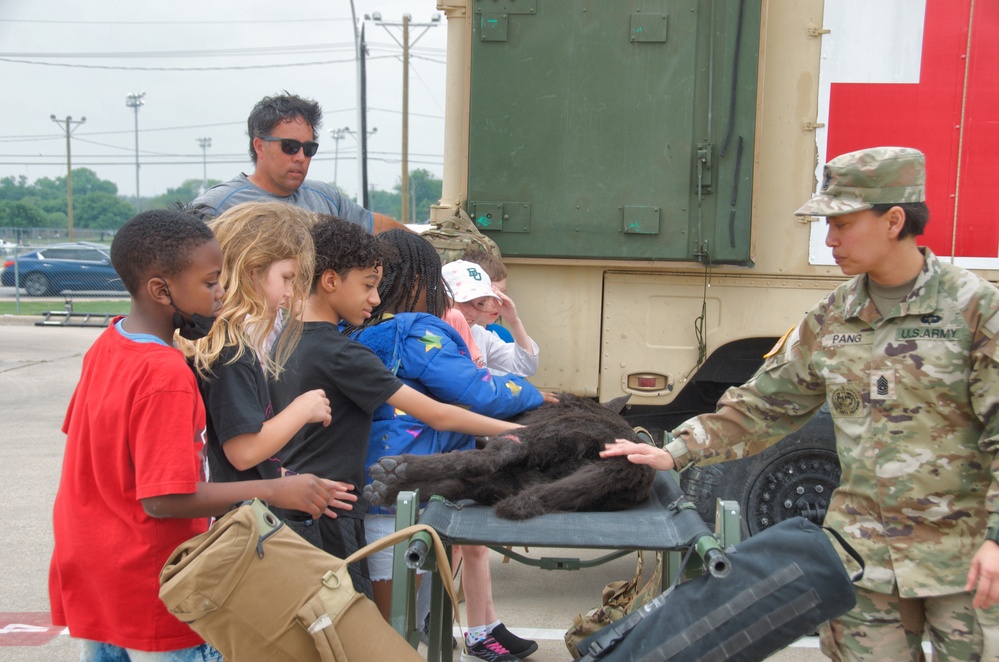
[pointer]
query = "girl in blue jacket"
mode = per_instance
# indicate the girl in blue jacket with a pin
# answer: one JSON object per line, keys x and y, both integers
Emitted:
{"x": 407, "y": 333}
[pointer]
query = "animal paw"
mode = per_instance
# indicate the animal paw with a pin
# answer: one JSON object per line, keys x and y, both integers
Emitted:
{"x": 388, "y": 470}
{"x": 376, "y": 493}
{"x": 520, "y": 507}
{"x": 386, "y": 473}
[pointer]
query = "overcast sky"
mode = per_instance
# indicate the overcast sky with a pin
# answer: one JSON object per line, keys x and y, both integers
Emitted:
{"x": 202, "y": 66}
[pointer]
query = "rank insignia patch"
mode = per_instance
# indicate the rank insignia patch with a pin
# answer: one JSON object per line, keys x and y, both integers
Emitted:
{"x": 882, "y": 385}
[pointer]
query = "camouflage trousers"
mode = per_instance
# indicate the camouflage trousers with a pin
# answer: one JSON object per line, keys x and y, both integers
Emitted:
{"x": 887, "y": 627}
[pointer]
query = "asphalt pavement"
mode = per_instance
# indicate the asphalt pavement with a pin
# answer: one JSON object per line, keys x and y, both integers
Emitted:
{"x": 39, "y": 367}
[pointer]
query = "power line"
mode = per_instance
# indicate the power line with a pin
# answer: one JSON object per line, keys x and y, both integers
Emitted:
{"x": 38, "y": 137}
{"x": 81, "y": 161}
{"x": 212, "y": 23}
{"x": 214, "y": 158}
{"x": 124, "y": 68}
{"x": 242, "y": 67}
{"x": 201, "y": 52}
{"x": 109, "y": 133}
{"x": 228, "y": 156}
{"x": 241, "y": 51}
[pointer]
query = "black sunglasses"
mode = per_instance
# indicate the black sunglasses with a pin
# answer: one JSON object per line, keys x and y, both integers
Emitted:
{"x": 291, "y": 147}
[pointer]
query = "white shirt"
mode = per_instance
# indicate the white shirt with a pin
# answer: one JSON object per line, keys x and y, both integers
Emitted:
{"x": 505, "y": 357}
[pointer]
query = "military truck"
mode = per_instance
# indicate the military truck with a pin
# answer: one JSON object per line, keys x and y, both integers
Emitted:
{"x": 638, "y": 162}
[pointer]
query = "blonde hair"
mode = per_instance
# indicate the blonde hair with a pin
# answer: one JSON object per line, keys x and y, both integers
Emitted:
{"x": 491, "y": 264}
{"x": 253, "y": 236}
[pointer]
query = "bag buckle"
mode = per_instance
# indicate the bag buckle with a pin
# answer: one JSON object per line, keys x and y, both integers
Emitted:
{"x": 331, "y": 579}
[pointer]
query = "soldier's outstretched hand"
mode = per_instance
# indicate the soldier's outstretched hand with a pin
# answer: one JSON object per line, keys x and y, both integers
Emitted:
{"x": 655, "y": 457}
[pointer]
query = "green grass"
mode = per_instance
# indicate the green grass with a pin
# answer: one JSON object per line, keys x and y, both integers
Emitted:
{"x": 29, "y": 306}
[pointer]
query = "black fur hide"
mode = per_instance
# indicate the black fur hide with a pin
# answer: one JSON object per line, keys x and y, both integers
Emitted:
{"x": 555, "y": 466}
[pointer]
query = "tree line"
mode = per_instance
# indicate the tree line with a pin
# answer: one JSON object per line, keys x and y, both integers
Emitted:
{"x": 97, "y": 204}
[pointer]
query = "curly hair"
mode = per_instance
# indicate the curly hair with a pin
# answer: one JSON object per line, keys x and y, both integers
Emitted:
{"x": 159, "y": 242}
{"x": 342, "y": 246}
{"x": 253, "y": 236}
{"x": 271, "y": 111}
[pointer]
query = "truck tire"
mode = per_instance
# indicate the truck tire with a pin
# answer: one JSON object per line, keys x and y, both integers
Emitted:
{"x": 794, "y": 477}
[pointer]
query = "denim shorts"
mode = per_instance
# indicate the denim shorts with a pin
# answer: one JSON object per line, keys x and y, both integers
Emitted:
{"x": 97, "y": 651}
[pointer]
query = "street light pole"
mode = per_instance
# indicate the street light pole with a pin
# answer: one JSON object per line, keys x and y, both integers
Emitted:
{"x": 204, "y": 143}
{"x": 71, "y": 126}
{"x": 135, "y": 100}
{"x": 337, "y": 135}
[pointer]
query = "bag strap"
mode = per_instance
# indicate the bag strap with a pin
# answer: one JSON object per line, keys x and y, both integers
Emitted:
{"x": 444, "y": 569}
{"x": 652, "y": 587}
{"x": 639, "y": 569}
{"x": 848, "y": 548}
{"x": 459, "y": 220}
{"x": 315, "y": 615}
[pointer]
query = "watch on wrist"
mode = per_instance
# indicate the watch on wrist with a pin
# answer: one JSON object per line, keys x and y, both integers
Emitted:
{"x": 992, "y": 533}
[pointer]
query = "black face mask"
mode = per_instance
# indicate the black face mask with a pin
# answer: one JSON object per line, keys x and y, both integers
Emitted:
{"x": 191, "y": 326}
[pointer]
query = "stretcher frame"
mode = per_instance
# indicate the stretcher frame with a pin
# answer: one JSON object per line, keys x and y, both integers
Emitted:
{"x": 666, "y": 523}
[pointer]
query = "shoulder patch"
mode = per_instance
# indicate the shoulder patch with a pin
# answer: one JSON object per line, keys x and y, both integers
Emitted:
{"x": 992, "y": 326}
{"x": 780, "y": 343}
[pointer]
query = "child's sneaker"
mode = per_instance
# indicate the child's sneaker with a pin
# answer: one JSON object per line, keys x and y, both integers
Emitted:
{"x": 516, "y": 645}
{"x": 489, "y": 650}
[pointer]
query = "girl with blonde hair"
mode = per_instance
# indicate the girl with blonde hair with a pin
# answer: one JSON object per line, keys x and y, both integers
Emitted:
{"x": 267, "y": 264}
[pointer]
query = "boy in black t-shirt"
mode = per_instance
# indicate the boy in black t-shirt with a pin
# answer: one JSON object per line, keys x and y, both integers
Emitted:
{"x": 345, "y": 288}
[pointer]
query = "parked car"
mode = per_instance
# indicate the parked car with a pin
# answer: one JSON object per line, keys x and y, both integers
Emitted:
{"x": 70, "y": 267}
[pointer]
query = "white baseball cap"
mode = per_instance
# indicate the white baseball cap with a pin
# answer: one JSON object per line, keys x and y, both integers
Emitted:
{"x": 467, "y": 281}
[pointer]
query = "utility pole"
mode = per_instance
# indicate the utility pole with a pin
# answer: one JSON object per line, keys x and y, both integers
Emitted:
{"x": 70, "y": 127}
{"x": 135, "y": 101}
{"x": 406, "y": 45}
{"x": 204, "y": 143}
{"x": 362, "y": 174}
{"x": 405, "y": 118}
{"x": 362, "y": 152}
{"x": 337, "y": 135}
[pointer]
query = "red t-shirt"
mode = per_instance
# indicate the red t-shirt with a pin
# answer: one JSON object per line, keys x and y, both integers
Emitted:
{"x": 134, "y": 430}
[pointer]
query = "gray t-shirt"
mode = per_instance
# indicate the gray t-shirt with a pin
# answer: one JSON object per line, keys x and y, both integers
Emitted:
{"x": 312, "y": 195}
{"x": 886, "y": 297}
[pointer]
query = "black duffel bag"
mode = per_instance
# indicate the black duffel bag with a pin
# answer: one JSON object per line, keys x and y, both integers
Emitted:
{"x": 782, "y": 583}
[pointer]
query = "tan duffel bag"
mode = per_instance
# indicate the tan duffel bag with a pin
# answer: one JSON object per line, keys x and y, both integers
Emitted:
{"x": 257, "y": 591}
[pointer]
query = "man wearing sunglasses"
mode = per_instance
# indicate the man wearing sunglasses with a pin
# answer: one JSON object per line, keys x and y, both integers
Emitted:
{"x": 283, "y": 131}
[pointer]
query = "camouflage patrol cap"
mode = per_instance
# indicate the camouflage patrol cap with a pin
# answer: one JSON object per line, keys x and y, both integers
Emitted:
{"x": 859, "y": 180}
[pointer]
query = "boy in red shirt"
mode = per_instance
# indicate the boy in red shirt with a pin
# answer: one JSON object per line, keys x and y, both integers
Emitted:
{"x": 132, "y": 486}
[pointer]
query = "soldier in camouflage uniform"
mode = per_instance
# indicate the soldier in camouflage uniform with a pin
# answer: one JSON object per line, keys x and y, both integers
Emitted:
{"x": 906, "y": 356}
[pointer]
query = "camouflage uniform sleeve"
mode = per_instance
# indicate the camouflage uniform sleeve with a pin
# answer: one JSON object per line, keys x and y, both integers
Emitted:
{"x": 779, "y": 399}
{"x": 984, "y": 390}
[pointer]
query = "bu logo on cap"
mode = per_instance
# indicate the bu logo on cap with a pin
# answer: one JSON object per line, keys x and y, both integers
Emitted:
{"x": 474, "y": 274}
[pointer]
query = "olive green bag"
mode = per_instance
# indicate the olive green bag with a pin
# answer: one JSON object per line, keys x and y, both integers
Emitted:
{"x": 457, "y": 234}
{"x": 619, "y": 599}
{"x": 258, "y": 592}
